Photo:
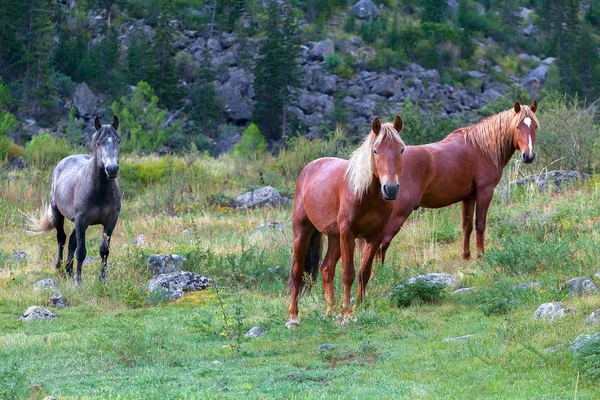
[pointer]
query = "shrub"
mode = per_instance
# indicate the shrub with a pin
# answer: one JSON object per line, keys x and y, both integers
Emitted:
{"x": 421, "y": 291}
{"x": 252, "y": 145}
{"x": 44, "y": 151}
{"x": 587, "y": 359}
{"x": 333, "y": 61}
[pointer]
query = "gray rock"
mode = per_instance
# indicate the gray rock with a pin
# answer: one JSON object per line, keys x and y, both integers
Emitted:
{"x": 47, "y": 283}
{"x": 321, "y": 50}
{"x": 17, "y": 164}
{"x": 528, "y": 286}
{"x": 558, "y": 178}
{"x": 325, "y": 347}
{"x": 265, "y": 196}
{"x": 270, "y": 226}
{"x": 236, "y": 94}
{"x": 549, "y": 60}
{"x": 531, "y": 84}
{"x": 582, "y": 340}
{"x": 255, "y": 332}
{"x": 365, "y": 10}
{"x": 217, "y": 362}
{"x": 158, "y": 264}
{"x": 176, "y": 284}
{"x": 552, "y": 311}
{"x": 19, "y": 256}
{"x": 274, "y": 270}
{"x": 327, "y": 84}
{"x": 384, "y": 85}
{"x": 463, "y": 290}
{"x": 56, "y": 300}
{"x": 440, "y": 278}
{"x": 539, "y": 73}
{"x": 529, "y": 30}
{"x": 140, "y": 240}
{"x": 580, "y": 286}
{"x": 85, "y": 101}
{"x": 594, "y": 317}
{"x": 454, "y": 339}
{"x": 37, "y": 313}
{"x": 554, "y": 348}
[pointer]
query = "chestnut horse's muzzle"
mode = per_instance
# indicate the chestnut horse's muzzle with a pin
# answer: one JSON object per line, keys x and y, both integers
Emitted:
{"x": 390, "y": 192}
{"x": 528, "y": 157}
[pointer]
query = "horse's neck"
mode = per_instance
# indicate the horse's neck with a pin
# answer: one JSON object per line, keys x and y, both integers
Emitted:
{"x": 97, "y": 174}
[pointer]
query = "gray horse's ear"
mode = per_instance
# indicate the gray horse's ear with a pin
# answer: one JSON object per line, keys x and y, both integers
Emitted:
{"x": 97, "y": 124}
{"x": 517, "y": 107}
{"x": 115, "y": 123}
{"x": 376, "y": 125}
{"x": 398, "y": 123}
{"x": 534, "y": 106}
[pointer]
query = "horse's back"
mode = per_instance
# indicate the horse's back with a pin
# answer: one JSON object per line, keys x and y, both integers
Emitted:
{"x": 317, "y": 194}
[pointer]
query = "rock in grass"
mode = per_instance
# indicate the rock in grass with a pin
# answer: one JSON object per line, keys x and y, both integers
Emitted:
{"x": 326, "y": 347}
{"x": 19, "y": 256}
{"x": 582, "y": 340}
{"x": 463, "y": 290}
{"x": 594, "y": 317}
{"x": 581, "y": 285}
{"x": 435, "y": 279}
{"x": 158, "y": 264}
{"x": 256, "y": 331}
{"x": 47, "y": 283}
{"x": 56, "y": 300}
{"x": 34, "y": 313}
{"x": 528, "y": 286}
{"x": 176, "y": 284}
{"x": 552, "y": 311}
{"x": 559, "y": 179}
{"x": 454, "y": 339}
{"x": 265, "y": 196}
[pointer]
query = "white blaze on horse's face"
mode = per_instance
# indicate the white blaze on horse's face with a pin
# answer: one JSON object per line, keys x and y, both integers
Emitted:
{"x": 526, "y": 138}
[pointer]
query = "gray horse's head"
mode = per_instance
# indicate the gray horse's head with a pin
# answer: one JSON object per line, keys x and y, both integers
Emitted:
{"x": 105, "y": 147}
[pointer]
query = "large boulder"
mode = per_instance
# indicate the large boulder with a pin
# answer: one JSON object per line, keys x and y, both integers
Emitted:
{"x": 34, "y": 313}
{"x": 176, "y": 284}
{"x": 85, "y": 101}
{"x": 365, "y": 10}
{"x": 552, "y": 311}
{"x": 265, "y": 196}
{"x": 582, "y": 340}
{"x": 434, "y": 279}
{"x": 321, "y": 50}
{"x": 581, "y": 285}
{"x": 236, "y": 94}
{"x": 158, "y": 264}
{"x": 558, "y": 178}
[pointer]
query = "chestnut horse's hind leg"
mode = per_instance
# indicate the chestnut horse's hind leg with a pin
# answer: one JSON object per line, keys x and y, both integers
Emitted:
{"x": 72, "y": 247}
{"x": 364, "y": 274}
{"x": 468, "y": 206}
{"x": 347, "y": 244}
{"x": 328, "y": 270}
{"x": 484, "y": 198}
{"x": 391, "y": 229}
{"x": 302, "y": 235}
{"x": 61, "y": 237}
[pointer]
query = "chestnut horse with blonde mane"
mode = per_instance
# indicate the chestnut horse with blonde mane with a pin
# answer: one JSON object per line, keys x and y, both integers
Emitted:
{"x": 466, "y": 166}
{"x": 345, "y": 200}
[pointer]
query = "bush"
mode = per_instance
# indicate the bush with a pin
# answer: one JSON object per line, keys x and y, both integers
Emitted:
{"x": 252, "y": 145}
{"x": 333, "y": 61}
{"x": 421, "y": 291}
{"x": 45, "y": 151}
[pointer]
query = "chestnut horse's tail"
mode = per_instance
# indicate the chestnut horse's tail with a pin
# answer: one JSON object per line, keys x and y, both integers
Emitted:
{"x": 312, "y": 262}
{"x": 44, "y": 223}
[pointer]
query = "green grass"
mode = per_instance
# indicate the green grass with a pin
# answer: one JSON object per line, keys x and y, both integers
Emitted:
{"x": 117, "y": 341}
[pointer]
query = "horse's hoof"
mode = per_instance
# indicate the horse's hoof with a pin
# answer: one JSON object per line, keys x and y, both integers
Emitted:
{"x": 466, "y": 257}
{"x": 77, "y": 281}
{"x": 292, "y": 323}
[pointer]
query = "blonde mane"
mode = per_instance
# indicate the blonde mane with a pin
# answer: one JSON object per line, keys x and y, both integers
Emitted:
{"x": 494, "y": 135}
{"x": 359, "y": 173}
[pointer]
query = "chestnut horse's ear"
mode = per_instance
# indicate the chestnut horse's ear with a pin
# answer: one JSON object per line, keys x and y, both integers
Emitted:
{"x": 97, "y": 124}
{"x": 517, "y": 107}
{"x": 534, "y": 106}
{"x": 376, "y": 125}
{"x": 115, "y": 123}
{"x": 398, "y": 123}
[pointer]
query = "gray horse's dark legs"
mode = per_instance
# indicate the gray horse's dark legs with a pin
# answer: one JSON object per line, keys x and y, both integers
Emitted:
{"x": 61, "y": 237}
{"x": 71, "y": 255}
{"x": 105, "y": 248}
{"x": 80, "y": 227}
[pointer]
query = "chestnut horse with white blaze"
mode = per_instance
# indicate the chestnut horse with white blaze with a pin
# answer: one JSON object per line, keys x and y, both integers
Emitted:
{"x": 465, "y": 166}
{"x": 345, "y": 200}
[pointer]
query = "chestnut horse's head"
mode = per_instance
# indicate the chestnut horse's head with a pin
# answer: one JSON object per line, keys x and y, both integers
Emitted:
{"x": 380, "y": 156}
{"x": 387, "y": 154}
{"x": 525, "y": 129}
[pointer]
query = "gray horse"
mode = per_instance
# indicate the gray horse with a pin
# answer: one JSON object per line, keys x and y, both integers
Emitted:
{"x": 85, "y": 189}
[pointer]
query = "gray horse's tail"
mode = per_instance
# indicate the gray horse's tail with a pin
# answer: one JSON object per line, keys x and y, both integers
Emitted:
{"x": 312, "y": 262}
{"x": 39, "y": 224}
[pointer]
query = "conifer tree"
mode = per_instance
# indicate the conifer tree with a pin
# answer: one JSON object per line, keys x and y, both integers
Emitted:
{"x": 434, "y": 11}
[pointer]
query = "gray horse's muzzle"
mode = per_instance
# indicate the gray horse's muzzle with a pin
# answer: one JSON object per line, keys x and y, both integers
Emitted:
{"x": 112, "y": 171}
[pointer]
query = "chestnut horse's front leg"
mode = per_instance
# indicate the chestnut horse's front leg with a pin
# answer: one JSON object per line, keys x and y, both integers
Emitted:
{"x": 364, "y": 274}
{"x": 484, "y": 198}
{"x": 468, "y": 207}
{"x": 347, "y": 245}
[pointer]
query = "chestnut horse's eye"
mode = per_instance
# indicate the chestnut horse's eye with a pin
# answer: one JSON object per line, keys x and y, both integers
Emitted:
{"x": 402, "y": 150}
{"x": 376, "y": 152}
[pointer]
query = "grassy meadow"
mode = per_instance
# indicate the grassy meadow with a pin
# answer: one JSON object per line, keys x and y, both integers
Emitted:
{"x": 118, "y": 341}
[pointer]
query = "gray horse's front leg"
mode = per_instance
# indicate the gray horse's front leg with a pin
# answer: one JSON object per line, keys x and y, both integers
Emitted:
{"x": 81, "y": 253}
{"x": 105, "y": 248}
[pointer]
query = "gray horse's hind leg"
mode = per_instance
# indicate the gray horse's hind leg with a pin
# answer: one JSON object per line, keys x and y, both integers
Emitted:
{"x": 80, "y": 228}
{"x": 61, "y": 237}
{"x": 105, "y": 247}
{"x": 71, "y": 255}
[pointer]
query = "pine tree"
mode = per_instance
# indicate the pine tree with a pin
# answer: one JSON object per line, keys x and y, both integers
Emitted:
{"x": 140, "y": 65}
{"x": 434, "y": 11}
{"x": 12, "y": 52}
{"x": 205, "y": 111}
{"x": 275, "y": 73}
